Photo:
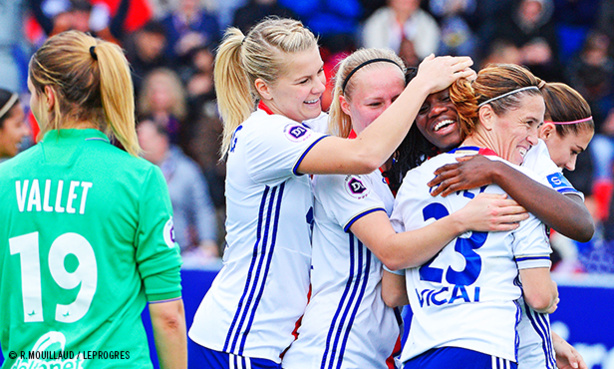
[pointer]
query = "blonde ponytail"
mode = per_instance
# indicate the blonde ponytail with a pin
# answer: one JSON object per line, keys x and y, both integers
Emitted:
{"x": 234, "y": 97}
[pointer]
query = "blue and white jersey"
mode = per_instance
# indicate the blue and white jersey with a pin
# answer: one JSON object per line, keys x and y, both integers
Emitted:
{"x": 535, "y": 340}
{"x": 538, "y": 160}
{"x": 466, "y": 295}
{"x": 319, "y": 123}
{"x": 261, "y": 291}
{"x": 535, "y": 348}
{"x": 346, "y": 323}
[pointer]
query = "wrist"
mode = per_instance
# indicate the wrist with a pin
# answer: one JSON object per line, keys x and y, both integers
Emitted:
{"x": 458, "y": 225}
{"x": 420, "y": 86}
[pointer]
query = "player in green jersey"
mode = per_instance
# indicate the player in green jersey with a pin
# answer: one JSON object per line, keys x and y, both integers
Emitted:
{"x": 86, "y": 231}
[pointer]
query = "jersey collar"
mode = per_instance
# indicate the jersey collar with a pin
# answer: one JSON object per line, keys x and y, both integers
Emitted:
{"x": 472, "y": 150}
{"x": 262, "y": 105}
{"x": 88, "y": 134}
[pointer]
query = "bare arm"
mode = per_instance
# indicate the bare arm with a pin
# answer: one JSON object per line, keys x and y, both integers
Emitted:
{"x": 566, "y": 214}
{"x": 487, "y": 212}
{"x": 394, "y": 291}
{"x": 169, "y": 327}
{"x": 377, "y": 142}
{"x": 539, "y": 290}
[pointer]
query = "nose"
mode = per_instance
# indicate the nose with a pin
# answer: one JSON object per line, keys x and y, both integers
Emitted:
{"x": 320, "y": 85}
{"x": 437, "y": 108}
{"x": 532, "y": 135}
{"x": 571, "y": 164}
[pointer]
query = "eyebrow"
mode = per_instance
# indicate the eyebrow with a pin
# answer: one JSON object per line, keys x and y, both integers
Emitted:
{"x": 580, "y": 148}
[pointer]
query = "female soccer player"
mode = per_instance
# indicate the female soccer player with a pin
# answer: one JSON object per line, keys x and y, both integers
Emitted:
{"x": 250, "y": 311}
{"x": 475, "y": 276}
{"x": 565, "y": 133}
{"x": 13, "y": 127}
{"x": 346, "y": 323}
{"x": 87, "y": 227}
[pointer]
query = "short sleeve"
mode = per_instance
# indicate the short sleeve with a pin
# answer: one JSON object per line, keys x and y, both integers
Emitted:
{"x": 275, "y": 150}
{"x": 539, "y": 162}
{"x": 346, "y": 198}
{"x": 407, "y": 213}
{"x": 156, "y": 250}
{"x": 531, "y": 247}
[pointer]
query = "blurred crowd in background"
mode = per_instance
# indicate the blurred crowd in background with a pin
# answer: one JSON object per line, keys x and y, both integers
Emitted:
{"x": 171, "y": 46}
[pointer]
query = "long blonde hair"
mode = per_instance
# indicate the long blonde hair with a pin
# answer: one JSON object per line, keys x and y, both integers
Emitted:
{"x": 339, "y": 123}
{"x": 243, "y": 59}
{"x": 92, "y": 82}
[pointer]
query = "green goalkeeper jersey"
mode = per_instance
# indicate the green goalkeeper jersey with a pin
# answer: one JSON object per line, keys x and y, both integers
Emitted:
{"x": 86, "y": 239}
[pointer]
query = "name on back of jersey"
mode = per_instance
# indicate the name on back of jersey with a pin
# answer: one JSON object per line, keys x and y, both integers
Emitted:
{"x": 48, "y": 196}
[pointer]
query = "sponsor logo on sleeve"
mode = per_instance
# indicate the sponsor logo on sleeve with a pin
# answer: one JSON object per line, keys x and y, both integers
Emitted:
{"x": 559, "y": 182}
{"x": 169, "y": 233}
{"x": 355, "y": 187}
{"x": 297, "y": 132}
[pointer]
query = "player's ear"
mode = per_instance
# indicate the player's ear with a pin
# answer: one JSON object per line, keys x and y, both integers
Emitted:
{"x": 487, "y": 117}
{"x": 345, "y": 105}
{"x": 546, "y": 130}
{"x": 49, "y": 94}
{"x": 263, "y": 89}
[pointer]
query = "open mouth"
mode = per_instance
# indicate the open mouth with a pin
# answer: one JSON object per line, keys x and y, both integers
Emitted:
{"x": 443, "y": 124}
{"x": 522, "y": 151}
{"x": 312, "y": 101}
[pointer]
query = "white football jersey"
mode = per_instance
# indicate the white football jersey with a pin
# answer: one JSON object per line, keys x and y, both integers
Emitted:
{"x": 538, "y": 160}
{"x": 466, "y": 295}
{"x": 535, "y": 340}
{"x": 346, "y": 323}
{"x": 261, "y": 291}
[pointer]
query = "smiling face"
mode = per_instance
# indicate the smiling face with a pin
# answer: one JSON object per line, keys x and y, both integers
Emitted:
{"x": 374, "y": 89}
{"x": 297, "y": 92}
{"x": 564, "y": 150}
{"x": 514, "y": 132}
{"x": 437, "y": 120}
{"x": 14, "y": 129}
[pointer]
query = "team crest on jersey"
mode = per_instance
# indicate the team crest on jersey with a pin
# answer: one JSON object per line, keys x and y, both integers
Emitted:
{"x": 169, "y": 233}
{"x": 297, "y": 132}
{"x": 355, "y": 187}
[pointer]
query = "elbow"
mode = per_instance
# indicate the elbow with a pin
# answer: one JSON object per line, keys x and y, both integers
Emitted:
{"x": 540, "y": 301}
{"x": 391, "y": 260}
{"x": 587, "y": 232}
{"x": 390, "y": 300}
{"x": 368, "y": 165}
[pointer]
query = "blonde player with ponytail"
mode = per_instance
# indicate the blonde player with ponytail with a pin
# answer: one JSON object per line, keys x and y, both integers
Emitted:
{"x": 86, "y": 227}
{"x": 268, "y": 83}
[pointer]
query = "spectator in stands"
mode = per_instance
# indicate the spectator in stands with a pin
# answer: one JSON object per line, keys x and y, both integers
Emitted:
{"x": 606, "y": 20}
{"x": 145, "y": 51}
{"x": 255, "y": 10}
{"x": 188, "y": 27}
{"x": 163, "y": 97}
{"x": 592, "y": 74}
{"x": 455, "y": 17}
{"x": 13, "y": 127}
{"x": 193, "y": 213}
{"x": 502, "y": 52}
{"x": 530, "y": 28}
{"x": 13, "y": 48}
{"x": 55, "y": 16}
{"x": 402, "y": 20}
